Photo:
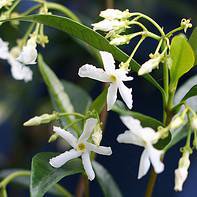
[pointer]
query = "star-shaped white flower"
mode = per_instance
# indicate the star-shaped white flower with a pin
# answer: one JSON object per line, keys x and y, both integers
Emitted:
{"x": 18, "y": 70}
{"x": 144, "y": 137}
{"x": 111, "y": 75}
{"x": 81, "y": 148}
{"x": 29, "y": 53}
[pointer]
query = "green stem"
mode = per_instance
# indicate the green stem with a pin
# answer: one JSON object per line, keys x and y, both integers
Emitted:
{"x": 13, "y": 7}
{"x": 168, "y": 35}
{"x": 72, "y": 114}
{"x": 62, "y": 190}
{"x": 64, "y": 10}
{"x": 29, "y": 11}
{"x": 12, "y": 176}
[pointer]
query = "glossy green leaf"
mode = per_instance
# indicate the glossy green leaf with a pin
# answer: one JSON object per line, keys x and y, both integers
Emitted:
{"x": 87, "y": 35}
{"x": 146, "y": 121}
{"x": 193, "y": 43}
{"x": 79, "y": 98}
{"x": 192, "y": 92}
{"x": 44, "y": 176}
{"x": 106, "y": 182}
{"x": 182, "y": 56}
{"x": 100, "y": 102}
{"x": 25, "y": 182}
{"x": 59, "y": 97}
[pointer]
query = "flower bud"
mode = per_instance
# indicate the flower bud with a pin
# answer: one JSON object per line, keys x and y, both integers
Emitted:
{"x": 97, "y": 135}
{"x": 176, "y": 122}
{"x": 53, "y": 138}
{"x": 43, "y": 119}
{"x": 182, "y": 172}
{"x": 120, "y": 40}
{"x": 194, "y": 123}
{"x": 112, "y": 14}
{"x": 185, "y": 23}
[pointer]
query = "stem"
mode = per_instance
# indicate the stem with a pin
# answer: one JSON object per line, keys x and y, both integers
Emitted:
{"x": 151, "y": 183}
{"x": 71, "y": 114}
{"x": 174, "y": 31}
{"x": 110, "y": 3}
{"x": 29, "y": 11}
{"x": 12, "y": 176}
{"x": 62, "y": 190}
{"x": 13, "y": 6}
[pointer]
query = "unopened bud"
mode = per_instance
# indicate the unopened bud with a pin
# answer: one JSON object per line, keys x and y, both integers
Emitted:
{"x": 177, "y": 122}
{"x": 194, "y": 123}
{"x": 43, "y": 119}
{"x": 53, "y": 138}
{"x": 97, "y": 135}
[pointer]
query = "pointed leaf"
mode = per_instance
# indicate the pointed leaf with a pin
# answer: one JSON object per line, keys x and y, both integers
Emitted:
{"x": 182, "y": 56}
{"x": 193, "y": 43}
{"x": 44, "y": 176}
{"x": 106, "y": 182}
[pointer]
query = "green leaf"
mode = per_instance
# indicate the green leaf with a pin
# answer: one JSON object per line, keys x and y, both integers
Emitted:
{"x": 182, "y": 56}
{"x": 44, "y": 176}
{"x": 100, "y": 102}
{"x": 75, "y": 93}
{"x": 192, "y": 92}
{"x": 60, "y": 98}
{"x": 25, "y": 182}
{"x": 87, "y": 35}
{"x": 146, "y": 121}
{"x": 106, "y": 182}
{"x": 193, "y": 43}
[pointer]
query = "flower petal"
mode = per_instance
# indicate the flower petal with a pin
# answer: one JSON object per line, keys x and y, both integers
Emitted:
{"x": 92, "y": 72}
{"x": 102, "y": 150}
{"x": 111, "y": 95}
{"x": 71, "y": 139}
{"x": 126, "y": 94}
{"x": 61, "y": 159}
{"x": 88, "y": 129}
{"x": 4, "y": 51}
{"x": 132, "y": 124}
{"x": 108, "y": 61}
{"x": 144, "y": 164}
{"x": 155, "y": 158}
{"x": 88, "y": 166}
{"x": 129, "y": 137}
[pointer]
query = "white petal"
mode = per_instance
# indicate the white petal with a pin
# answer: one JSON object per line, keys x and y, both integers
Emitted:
{"x": 180, "y": 177}
{"x": 61, "y": 159}
{"x": 92, "y": 72}
{"x": 88, "y": 129}
{"x": 108, "y": 61}
{"x": 122, "y": 75}
{"x": 129, "y": 137}
{"x": 155, "y": 158}
{"x": 29, "y": 53}
{"x": 71, "y": 139}
{"x": 88, "y": 166}
{"x": 111, "y": 95}
{"x": 102, "y": 150}
{"x": 126, "y": 94}
{"x": 4, "y": 51}
{"x": 132, "y": 124}
{"x": 144, "y": 164}
{"x": 20, "y": 71}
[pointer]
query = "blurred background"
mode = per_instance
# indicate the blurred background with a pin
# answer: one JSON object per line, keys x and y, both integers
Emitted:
{"x": 20, "y": 101}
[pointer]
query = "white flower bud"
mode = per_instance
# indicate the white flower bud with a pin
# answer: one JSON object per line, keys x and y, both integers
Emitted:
{"x": 194, "y": 122}
{"x": 43, "y": 119}
{"x": 112, "y": 14}
{"x": 182, "y": 172}
{"x": 185, "y": 23}
{"x": 97, "y": 135}
{"x": 176, "y": 122}
{"x": 109, "y": 25}
{"x": 120, "y": 40}
{"x": 151, "y": 64}
{"x": 29, "y": 53}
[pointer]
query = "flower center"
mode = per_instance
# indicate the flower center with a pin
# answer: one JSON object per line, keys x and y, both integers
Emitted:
{"x": 81, "y": 147}
{"x": 113, "y": 78}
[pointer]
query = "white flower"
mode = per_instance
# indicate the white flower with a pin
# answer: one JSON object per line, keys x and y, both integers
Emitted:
{"x": 151, "y": 64}
{"x": 194, "y": 123}
{"x": 111, "y": 75}
{"x": 81, "y": 148}
{"x": 112, "y": 14}
{"x": 182, "y": 172}
{"x": 4, "y": 51}
{"x": 109, "y": 25}
{"x": 4, "y": 3}
{"x": 18, "y": 70}
{"x": 144, "y": 137}
{"x": 29, "y": 53}
{"x": 185, "y": 23}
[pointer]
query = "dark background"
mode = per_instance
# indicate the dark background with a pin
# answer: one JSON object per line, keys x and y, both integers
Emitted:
{"x": 19, "y": 101}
